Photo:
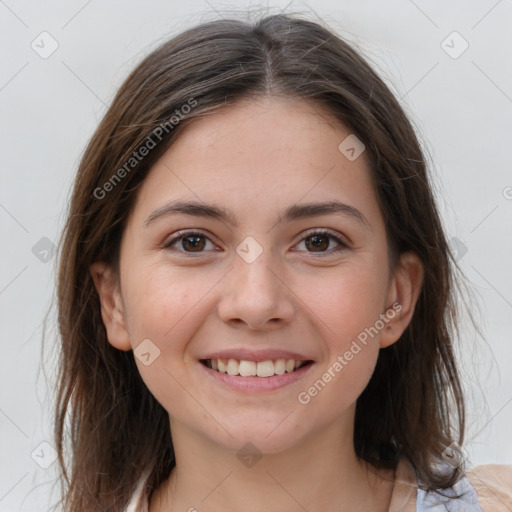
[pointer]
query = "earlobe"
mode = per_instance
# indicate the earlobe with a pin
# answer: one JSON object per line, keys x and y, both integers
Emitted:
{"x": 402, "y": 297}
{"x": 111, "y": 305}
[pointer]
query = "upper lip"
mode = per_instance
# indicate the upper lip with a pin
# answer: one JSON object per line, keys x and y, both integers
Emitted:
{"x": 256, "y": 355}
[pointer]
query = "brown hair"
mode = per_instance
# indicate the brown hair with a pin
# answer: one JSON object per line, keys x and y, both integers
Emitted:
{"x": 117, "y": 429}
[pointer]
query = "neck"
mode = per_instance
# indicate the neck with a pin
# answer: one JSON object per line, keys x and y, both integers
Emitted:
{"x": 320, "y": 473}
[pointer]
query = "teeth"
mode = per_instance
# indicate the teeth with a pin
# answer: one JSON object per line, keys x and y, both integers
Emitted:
{"x": 265, "y": 369}
{"x": 252, "y": 368}
{"x": 280, "y": 366}
{"x": 232, "y": 368}
{"x": 248, "y": 369}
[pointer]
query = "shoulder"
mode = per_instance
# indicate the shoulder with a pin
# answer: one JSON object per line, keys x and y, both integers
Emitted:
{"x": 493, "y": 485}
{"x": 486, "y": 488}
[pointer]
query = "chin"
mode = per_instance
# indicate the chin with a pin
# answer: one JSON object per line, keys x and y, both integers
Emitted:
{"x": 263, "y": 438}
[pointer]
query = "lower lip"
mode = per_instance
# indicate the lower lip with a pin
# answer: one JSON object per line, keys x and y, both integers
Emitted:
{"x": 257, "y": 384}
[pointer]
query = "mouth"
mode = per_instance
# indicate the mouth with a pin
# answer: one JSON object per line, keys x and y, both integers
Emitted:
{"x": 262, "y": 369}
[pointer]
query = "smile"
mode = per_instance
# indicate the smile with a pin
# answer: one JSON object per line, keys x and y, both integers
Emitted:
{"x": 246, "y": 368}
{"x": 263, "y": 375}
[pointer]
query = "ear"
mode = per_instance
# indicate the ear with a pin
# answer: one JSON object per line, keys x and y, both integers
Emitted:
{"x": 111, "y": 305}
{"x": 403, "y": 293}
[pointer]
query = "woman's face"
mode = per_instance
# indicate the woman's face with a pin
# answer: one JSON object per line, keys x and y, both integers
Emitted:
{"x": 258, "y": 279}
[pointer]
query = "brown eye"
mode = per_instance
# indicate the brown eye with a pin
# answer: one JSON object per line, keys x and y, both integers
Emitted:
{"x": 319, "y": 242}
{"x": 191, "y": 242}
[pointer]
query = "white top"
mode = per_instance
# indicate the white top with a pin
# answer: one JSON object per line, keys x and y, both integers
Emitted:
{"x": 486, "y": 488}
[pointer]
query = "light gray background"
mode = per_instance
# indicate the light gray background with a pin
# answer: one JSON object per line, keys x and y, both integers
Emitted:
{"x": 49, "y": 108}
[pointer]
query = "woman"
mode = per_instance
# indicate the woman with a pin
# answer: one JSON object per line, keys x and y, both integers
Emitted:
{"x": 256, "y": 293}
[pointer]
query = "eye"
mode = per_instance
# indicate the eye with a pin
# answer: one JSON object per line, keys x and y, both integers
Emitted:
{"x": 319, "y": 240}
{"x": 191, "y": 242}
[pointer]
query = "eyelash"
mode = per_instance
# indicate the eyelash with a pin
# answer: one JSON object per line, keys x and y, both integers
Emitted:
{"x": 309, "y": 234}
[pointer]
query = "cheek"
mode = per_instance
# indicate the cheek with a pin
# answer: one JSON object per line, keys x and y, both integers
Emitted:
{"x": 166, "y": 310}
{"x": 349, "y": 309}
{"x": 162, "y": 305}
{"x": 349, "y": 302}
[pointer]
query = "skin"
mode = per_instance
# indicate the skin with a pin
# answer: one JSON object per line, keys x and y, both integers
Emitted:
{"x": 256, "y": 158}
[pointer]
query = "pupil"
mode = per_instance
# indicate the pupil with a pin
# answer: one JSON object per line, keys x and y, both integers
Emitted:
{"x": 195, "y": 242}
{"x": 317, "y": 241}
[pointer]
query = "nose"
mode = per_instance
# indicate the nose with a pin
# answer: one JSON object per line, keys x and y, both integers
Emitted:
{"x": 255, "y": 295}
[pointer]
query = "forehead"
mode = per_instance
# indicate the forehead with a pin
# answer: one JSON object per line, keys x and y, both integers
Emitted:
{"x": 259, "y": 156}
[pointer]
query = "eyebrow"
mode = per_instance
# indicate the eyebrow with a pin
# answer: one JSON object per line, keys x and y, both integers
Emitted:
{"x": 294, "y": 212}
